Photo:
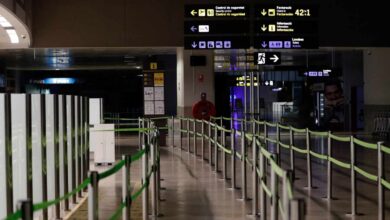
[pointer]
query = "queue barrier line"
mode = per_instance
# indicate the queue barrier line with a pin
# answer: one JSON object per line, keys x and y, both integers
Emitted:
{"x": 259, "y": 122}
{"x": 299, "y": 150}
{"x": 298, "y": 130}
{"x": 223, "y": 148}
{"x": 271, "y": 124}
{"x": 318, "y": 155}
{"x": 284, "y": 145}
{"x": 223, "y": 129}
{"x": 160, "y": 118}
{"x": 338, "y": 138}
{"x": 339, "y": 163}
{"x": 122, "y": 119}
{"x": 271, "y": 140}
{"x": 238, "y": 155}
{"x": 266, "y": 189}
{"x": 365, "y": 144}
{"x": 366, "y": 174}
{"x": 248, "y": 161}
{"x": 289, "y": 189}
{"x": 278, "y": 170}
{"x": 83, "y": 185}
{"x": 119, "y": 210}
{"x": 125, "y": 129}
{"x": 318, "y": 133}
{"x": 385, "y": 183}
{"x": 385, "y": 149}
{"x": 284, "y": 127}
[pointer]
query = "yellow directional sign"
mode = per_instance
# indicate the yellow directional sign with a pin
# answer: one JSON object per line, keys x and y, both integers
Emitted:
{"x": 153, "y": 66}
{"x": 158, "y": 79}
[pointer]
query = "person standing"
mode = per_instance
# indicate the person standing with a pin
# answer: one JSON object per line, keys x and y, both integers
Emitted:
{"x": 203, "y": 109}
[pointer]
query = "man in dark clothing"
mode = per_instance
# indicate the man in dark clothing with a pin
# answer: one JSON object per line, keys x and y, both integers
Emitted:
{"x": 203, "y": 109}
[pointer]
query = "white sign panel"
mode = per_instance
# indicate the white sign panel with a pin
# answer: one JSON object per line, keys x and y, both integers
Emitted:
{"x": 149, "y": 108}
{"x": 159, "y": 107}
{"x": 148, "y": 93}
{"x": 19, "y": 149}
{"x": 159, "y": 93}
{"x": 3, "y": 184}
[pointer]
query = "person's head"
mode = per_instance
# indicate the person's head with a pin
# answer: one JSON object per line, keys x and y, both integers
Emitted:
{"x": 203, "y": 96}
{"x": 333, "y": 90}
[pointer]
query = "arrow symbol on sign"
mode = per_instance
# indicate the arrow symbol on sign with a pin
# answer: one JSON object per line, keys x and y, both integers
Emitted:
{"x": 193, "y": 12}
{"x": 264, "y": 12}
{"x": 264, "y": 28}
{"x": 194, "y": 45}
{"x": 274, "y": 58}
{"x": 264, "y": 44}
{"x": 194, "y": 29}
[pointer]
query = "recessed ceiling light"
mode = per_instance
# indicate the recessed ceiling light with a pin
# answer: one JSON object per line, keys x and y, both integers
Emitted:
{"x": 13, "y": 36}
{"x": 4, "y": 22}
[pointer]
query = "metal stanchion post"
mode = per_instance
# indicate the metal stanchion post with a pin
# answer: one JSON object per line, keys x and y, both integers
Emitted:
{"x": 292, "y": 154}
{"x": 381, "y": 175}
{"x": 263, "y": 195}
{"x": 308, "y": 160}
{"x": 255, "y": 178}
{"x": 139, "y": 133}
{"x": 8, "y": 154}
{"x": 243, "y": 166}
{"x": 216, "y": 147}
{"x": 126, "y": 196}
{"x": 202, "y": 131}
{"x": 65, "y": 146}
{"x": 329, "y": 168}
{"x": 181, "y": 133}
{"x": 188, "y": 136}
{"x": 210, "y": 151}
{"x": 278, "y": 153}
{"x": 353, "y": 178}
{"x": 26, "y": 207}
{"x": 195, "y": 137}
{"x": 224, "y": 176}
{"x": 145, "y": 180}
{"x": 173, "y": 132}
{"x": 57, "y": 158}
{"x": 287, "y": 179}
{"x": 233, "y": 158}
{"x": 297, "y": 207}
{"x": 221, "y": 121}
{"x": 265, "y": 136}
{"x": 274, "y": 192}
{"x": 154, "y": 179}
{"x": 93, "y": 196}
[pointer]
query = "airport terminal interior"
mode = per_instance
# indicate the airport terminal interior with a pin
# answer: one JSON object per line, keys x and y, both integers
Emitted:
{"x": 184, "y": 109}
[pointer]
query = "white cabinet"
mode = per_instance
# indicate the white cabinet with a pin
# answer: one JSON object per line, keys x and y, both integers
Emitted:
{"x": 102, "y": 138}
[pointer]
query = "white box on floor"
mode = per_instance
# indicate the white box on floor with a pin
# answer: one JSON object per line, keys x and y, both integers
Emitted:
{"x": 102, "y": 138}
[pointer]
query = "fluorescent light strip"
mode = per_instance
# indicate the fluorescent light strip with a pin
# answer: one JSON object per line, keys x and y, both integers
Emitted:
{"x": 4, "y": 22}
{"x": 13, "y": 36}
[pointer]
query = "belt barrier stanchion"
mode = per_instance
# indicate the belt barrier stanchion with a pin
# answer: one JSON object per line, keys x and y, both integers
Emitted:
{"x": 173, "y": 132}
{"x": 216, "y": 147}
{"x": 221, "y": 121}
{"x": 181, "y": 133}
{"x": 231, "y": 124}
{"x": 210, "y": 151}
{"x": 202, "y": 130}
{"x": 242, "y": 125}
{"x": 93, "y": 196}
{"x": 265, "y": 136}
{"x": 233, "y": 158}
{"x": 263, "y": 179}
{"x": 8, "y": 152}
{"x": 65, "y": 146}
{"x": 243, "y": 166}
{"x": 73, "y": 141}
{"x": 287, "y": 179}
{"x": 308, "y": 160}
{"x": 139, "y": 132}
{"x": 329, "y": 168}
{"x": 188, "y": 136}
{"x": 29, "y": 157}
{"x": 126, "y": 196}
{"x": 353, "y": 178}
{"x": 224, "y": 176}
{"x": 297, "y": 207}
{"x": 255, "y": 179}
{"x": 57, "y": 157}
{"x": 148, "y": 126}
{"x": 274, "y": 191}
{"x": 158, "y": 177}
{"x": 292, "y": 153}
{"x": 154, "y": 179}
{"x": 381, "y": 174}
{"x": 145, "y": 180}
{"x": 194, "y": 135}
{"x": 26, "y": 207}
{"x": 278, "y": 153}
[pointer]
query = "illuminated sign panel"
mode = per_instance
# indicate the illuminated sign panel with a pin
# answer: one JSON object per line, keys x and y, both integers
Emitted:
{"x": 216, "y": 11}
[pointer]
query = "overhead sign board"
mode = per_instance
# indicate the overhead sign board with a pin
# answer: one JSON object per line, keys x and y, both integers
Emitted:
{"x": 226, "y": 42}
{"x": 216, "y": 27}
{"x": 216, "y": 11}
{"x": 286, "y": 10}
{"x": 286, "y": 27}
{"x": 278, "y": 42}
{"x": 267, "y": 58}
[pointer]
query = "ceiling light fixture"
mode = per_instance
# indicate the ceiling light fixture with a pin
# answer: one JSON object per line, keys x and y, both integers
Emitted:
{"x": 4, "y": 22}
{"x": 13, "y": 36}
